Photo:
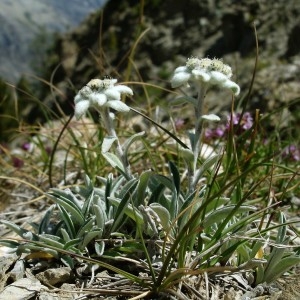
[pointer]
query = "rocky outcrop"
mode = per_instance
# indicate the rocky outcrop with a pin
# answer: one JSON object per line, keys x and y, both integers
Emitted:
{"x": 131, "y": 42}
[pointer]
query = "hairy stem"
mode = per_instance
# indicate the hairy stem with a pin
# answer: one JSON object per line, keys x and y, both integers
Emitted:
{"x": 109, "y": 126}
{"x": 196, "y": 145}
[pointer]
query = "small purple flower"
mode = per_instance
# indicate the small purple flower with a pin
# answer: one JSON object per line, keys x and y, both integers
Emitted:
{"x": 215, "y": 133}
{"x": 17, "y": 162}
{"x": 219, "y": 132}
{"x": 179, "y": 123}
{"x": 208, "y": 133}
{"x": 292, "y": 152}
{"x": 48, "y": 150}
{"x": 240, "y": 126}
{"x": 246, "y": 122}
{"x": 26, "y": 146}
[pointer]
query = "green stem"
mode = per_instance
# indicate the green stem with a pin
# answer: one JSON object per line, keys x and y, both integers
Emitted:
{"x": 109, "y": 126}
{"x": 196, "y": 146}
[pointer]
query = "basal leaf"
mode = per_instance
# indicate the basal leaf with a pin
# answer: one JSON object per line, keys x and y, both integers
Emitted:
{"x": 70, "y": 207}
{"x": 67, "y": 222}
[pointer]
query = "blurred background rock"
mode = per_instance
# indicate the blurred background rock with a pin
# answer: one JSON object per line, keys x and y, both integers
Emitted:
{"x": 172, "y": 30}
{"x": 28, "y": 28}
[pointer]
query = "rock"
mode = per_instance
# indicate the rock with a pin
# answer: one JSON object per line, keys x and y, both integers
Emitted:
{"x": 67, "y": 292}
{"x": 55, "y": 276}
{"x": 22, "y": 289}
{"x": 6, "y": 262}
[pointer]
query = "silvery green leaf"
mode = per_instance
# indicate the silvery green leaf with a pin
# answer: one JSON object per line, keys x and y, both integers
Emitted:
{"x": 260, "y": 272}
{"x": 220, "y": 214}
{"x": 43, "y": 227}
{"x": 101, "y": 179}
{"x": 191, "y": 136}
{"x": 67, "y": 261}
{"x": 124, "y": 196}
{"x": 107, "y": 143}
{"x": 51, "y": 240}
{"x": 167, "y": 182}
{"x": 130, "y": 140}
{"x": 9, "y": 243}
{"x": 141, "y": 188}
{"x": 17, "y": 229}
{"x": 88, "y": 237}
{"x": 87, "y": 226}
{"x": 127, "y": 189}
{"x": 255, "y": 248}
{"x": 66, "y": 195}
{"x": 206, "y": 165}
{"x": 65, "y": 235}
{"x": 70, "y": 207}
{"x": 157, "y": 192}
{"x": 88, "y": 182}
{"x": 163, "y": 214}
{"x": 71, "y": 243}
{"x": 274, "y": 259}
{"x": 67, "y": 221}
{"x": 87, "y": 204}
{"x": 100, "y": 216}
{"x": 113, "y": 160}
{"x": 187, "y": 154}
{"x": 281, "y": 235}
{"x": 283, "y": 266}
{"x": 116, "y": 184}
{"x": 175, "y": 176}
{"x": 184, "y": 99}
{"x": 99, "y": 248}
{"x": 30, "y": 247}
{"x": 128, "y": 210}
{"x": 243, "y": 253}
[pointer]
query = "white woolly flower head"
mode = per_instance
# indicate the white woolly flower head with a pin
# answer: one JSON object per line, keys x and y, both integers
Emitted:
{"x": 101, "y": 93}
{"x": 212, "y": 71}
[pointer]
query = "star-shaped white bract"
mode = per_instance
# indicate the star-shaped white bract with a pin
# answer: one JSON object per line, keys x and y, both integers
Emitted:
{"x": 99, "y": 94}
{"x": 205, "y": 70}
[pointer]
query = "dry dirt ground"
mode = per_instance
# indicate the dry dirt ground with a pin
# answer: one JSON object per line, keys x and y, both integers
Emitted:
{"x": 41, "y": 278}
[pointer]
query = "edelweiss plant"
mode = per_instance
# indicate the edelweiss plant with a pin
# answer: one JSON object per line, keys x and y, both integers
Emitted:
{"x": 161, "y": 225}
{"x": 103, "y": 95}
{"x": 202, "y": 73}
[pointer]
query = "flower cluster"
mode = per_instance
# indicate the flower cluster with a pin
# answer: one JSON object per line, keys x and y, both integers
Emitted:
{"x": 245, "y": 122}
{"x": 101, "y": 93}
{"x": 205, "y": 70}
